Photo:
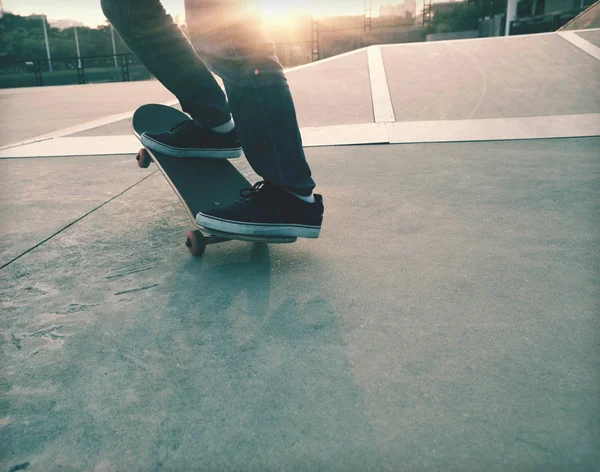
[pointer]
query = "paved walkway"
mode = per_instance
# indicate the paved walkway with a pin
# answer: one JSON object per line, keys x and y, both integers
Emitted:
{"x": 447, "y": 319}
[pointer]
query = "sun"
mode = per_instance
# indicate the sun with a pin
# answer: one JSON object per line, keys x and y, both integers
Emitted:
{"x": 282, "y": 12}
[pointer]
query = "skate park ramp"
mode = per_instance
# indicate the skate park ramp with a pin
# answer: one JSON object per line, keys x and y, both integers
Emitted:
{"x": 446, "y": 319}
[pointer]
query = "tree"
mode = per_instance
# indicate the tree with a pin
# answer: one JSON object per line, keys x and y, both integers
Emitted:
{"x": 463, "y": 16}
{"x": 22, "y": 39}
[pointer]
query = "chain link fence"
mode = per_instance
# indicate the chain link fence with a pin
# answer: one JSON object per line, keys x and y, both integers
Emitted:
{"x": 314, "y": 38}
{"x": 68, "y": 71}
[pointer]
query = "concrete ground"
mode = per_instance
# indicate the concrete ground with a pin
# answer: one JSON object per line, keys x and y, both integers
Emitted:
{"x": 447, "y": 318}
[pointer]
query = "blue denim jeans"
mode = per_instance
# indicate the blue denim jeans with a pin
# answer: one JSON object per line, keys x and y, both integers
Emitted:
{"x": 227, "y": 39}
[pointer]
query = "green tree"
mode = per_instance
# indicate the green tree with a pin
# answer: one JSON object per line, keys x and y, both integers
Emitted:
{"x": 463, "y": 16}
{"x": 22, "y": 39}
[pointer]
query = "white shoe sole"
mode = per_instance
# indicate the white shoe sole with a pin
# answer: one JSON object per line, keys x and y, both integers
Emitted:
{"x": 258, "y": 229}
{"x": 230, "y": 153}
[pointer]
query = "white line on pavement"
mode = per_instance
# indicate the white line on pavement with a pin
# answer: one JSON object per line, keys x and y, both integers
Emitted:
{"x": 382, "y": 103}
{"x": 495, "y": 129}
{"x": 79, "y": 128}
{"x": 492, "y": 129}
{"x": 581, "y": 43}
{"x": 341, "y": 135}
{"x": 336, "y": 135}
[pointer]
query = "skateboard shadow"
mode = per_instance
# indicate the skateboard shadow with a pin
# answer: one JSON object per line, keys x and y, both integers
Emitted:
{"x": 267, "y": 375}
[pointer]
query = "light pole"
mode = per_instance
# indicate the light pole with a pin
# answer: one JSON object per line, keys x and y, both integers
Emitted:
{"x": 511, "y": 11}
{"x": 368, "y": 17}
{"x": 47, "y": 45}
{"x": 77, "y": 48}
{"x": 112, "y": 35}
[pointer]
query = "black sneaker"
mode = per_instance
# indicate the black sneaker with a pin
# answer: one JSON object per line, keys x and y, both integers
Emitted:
{"x": 187, "y": 139}
{"x": 265, "y": 210}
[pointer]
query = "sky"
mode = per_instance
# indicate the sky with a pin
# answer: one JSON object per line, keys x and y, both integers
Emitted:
{"x": 86, "y": 11}
{"x": 90, "y": 13}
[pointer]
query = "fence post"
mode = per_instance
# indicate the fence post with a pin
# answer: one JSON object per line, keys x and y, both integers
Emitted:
{"x": 511, "y": 13}
{"x": 315, "y": 36}
{"x": 368, "y": 20}
{"x": 80, "y": 73}
{"x": 124, "y": 67}
{"x": 37, "y": 70}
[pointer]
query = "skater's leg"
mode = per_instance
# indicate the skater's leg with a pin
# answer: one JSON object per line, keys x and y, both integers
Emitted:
{"x": 233, "y": 46}
{"x": 159, "y": 43}
{"x": 229, "y": 39}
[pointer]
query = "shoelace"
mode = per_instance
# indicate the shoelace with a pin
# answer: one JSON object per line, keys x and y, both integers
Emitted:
{"x": 254, "y": 190}
{"x": 182, "y": 125}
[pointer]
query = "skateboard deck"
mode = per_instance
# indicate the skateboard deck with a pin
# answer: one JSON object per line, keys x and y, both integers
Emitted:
{"x": 200, "y": 183}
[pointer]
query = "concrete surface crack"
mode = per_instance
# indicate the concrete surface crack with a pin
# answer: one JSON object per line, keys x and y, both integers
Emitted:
{"x": 76, "y": 221}
{"x": 137, "y": 289}
{"x": 134, "y": 271}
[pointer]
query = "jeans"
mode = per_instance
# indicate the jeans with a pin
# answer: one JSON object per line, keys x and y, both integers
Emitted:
{"x": 227, "y": 39}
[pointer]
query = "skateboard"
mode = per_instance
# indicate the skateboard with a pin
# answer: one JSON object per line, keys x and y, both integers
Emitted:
{"x": 200, "y": 183}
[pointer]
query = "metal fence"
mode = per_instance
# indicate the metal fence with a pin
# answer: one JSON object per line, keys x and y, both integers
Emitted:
{"x": 319, "y": 37}
{"x": 119, "y": 68}
{"x": 294, "y": 54}
{"x": 66, "y": 71}
{"x": 543, "y": 23}
{"x": 356, "y": 22}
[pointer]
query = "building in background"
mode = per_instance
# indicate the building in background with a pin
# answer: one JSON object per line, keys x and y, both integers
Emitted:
{"x": 541, "y": 16}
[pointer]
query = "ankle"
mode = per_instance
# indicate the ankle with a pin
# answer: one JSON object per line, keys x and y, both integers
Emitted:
{"x": 306, "y": 198}
{"x": 225, "y": 128}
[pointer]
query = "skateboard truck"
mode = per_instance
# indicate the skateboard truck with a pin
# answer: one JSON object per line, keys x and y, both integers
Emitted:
{"x": 196, "y": 242}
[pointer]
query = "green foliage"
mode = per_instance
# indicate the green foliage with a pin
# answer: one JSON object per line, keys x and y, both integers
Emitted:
{"x": 22, "y": 39}
{"x": 463, "y": 16}
{"x": 458, "y": 17}
{"x": 524, "y": 8}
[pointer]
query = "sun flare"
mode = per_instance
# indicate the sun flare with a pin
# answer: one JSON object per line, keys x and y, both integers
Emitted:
{"x": 282, "y": 12}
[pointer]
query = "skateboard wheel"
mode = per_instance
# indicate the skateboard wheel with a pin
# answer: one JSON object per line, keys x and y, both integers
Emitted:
{"x": 195, "y": 242}
{"x": 143, "y": 158}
